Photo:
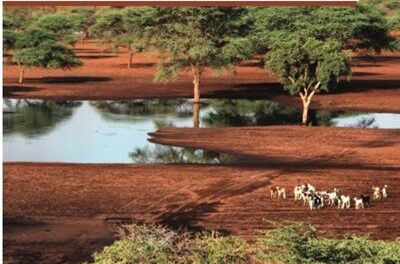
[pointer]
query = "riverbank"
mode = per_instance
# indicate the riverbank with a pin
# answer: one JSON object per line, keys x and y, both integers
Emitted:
{"x": 374, "y": 85}
{"x": 57, "y": 212}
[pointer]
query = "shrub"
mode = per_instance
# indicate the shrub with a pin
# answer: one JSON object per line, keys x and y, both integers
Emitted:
{"x": 287, "y": 243}
{"x": 298, "y": 243}
{"x": 158, "y": 245}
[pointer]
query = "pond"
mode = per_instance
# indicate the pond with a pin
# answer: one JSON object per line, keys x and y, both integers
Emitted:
{"x": 116, "y": 131}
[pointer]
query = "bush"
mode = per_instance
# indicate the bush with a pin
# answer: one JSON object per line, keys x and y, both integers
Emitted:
{"x": 287, "y": 243}
{"x": 158, "y": 245}
{"x": 298, "y": 243}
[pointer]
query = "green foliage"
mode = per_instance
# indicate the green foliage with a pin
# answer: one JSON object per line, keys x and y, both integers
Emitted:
{"x": 298, "y": 243}
{"x": 294, "y": 243}
{"x": 213, "y": 249}
{"x": 306, "y": 65}
{"x": 9, "y": 39}
{"x": 61, "y": 25}
{"x": 17, "y": 18}
{"x": 123, "y": 28}
{"x": 394, "y": 21}
{"x": 152, "y": 244}
{"x": 108, "y": 25}
{"x": 36, "y": 47}
{"x": 198, "y": 37}
{"x": 83, "y": 17}
{"x": 363, "y": 27}
{"x": 33, "y": 37}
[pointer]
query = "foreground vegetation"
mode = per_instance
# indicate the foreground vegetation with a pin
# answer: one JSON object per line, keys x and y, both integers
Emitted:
{"x": 290, "y": 243}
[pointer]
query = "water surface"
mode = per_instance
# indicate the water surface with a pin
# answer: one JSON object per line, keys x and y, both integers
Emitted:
{"x": 116, "y": 131}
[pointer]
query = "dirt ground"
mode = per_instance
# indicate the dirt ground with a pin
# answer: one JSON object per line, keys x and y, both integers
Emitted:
{"x": 60, "y": 213}
{"x": 374, "y": 85}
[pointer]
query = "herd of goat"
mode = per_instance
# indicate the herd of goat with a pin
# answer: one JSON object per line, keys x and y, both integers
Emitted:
{"x": 318, "y": 199}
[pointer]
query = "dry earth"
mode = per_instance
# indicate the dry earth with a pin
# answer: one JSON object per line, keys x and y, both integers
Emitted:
{"x": 60, "y": 213}
{"x": 374, "y": 85}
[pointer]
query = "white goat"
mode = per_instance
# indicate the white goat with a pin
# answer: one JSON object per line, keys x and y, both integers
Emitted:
{"x": 358, "y": 202}
{"x": 377, "y": 193}
{"x": 281, "y": 192}
{"x": 384, "y": 192}
{"x": 297, "y": 193}
{"x": 344, "y": 202}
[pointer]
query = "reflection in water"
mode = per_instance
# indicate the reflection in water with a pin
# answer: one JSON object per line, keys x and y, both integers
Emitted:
{"x": 116, "y": 131}
{"x": 196, "y": 115}
{"x": 165, "y": 154}
{"x": 143, "y": 107}
{"x": 260, "y": 113}
{"x": 33, "y": 118}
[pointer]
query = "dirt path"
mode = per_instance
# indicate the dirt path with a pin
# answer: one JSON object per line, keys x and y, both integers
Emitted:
{"x": 374, "y": 86}
{"x": 82, "y": 204}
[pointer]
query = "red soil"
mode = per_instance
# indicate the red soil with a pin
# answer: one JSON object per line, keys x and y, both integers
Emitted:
{"x": 66, "y": 211}
{"x": 374, "y": 86}
{"x": 61, "y": 213}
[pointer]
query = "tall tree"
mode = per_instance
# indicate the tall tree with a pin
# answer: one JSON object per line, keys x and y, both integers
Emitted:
{"x": 308, "y": 47}
{"x": 306, "y": 65}
{"x": 84, "y": 18}
{"x": 61, "y": 25}
{"x": 38, "y": 48}
{"x": 123, "y": 28}
{"x": 197, "y": 38}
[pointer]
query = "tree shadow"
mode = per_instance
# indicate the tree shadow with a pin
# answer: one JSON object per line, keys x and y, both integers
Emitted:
{"x": 10, "y": 90}
{"x": 96, "y": 57}
{"x": 69, "y": 79}
{"x": 375, "y": 59}
{"x": 187, "y": 216}
{"x": 365, "y": 73}
{"x": 138, "y": 65}
{"x": 364, "y": 85}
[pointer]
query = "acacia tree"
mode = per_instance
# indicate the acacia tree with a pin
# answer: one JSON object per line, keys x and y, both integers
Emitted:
{"x": 307, "y": 47}
{"x": 61, "y": 25}
{"x": 305, "y": 66}
{"x": 197, "y": 38}
{"x": 123, "y": 28}
{"x": 38, "y": 48}
{"x": 83, "y": 18}
{"x": 361, "y": 28}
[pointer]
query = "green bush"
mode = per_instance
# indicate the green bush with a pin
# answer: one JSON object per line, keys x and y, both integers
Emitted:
{"x": 298, "y": 243}
{"x": 158, "y": 245}
{"x": 287, "y": 243}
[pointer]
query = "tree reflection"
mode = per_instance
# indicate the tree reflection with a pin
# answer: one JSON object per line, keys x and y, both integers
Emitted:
{"x": 33, "y": 118}
{"x": 143, "y": 107}
{"x": 260, "y": 113}
{"x": 166, "y": 154}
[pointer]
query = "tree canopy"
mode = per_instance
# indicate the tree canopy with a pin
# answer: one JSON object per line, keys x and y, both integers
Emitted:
{"x": 308, "y": 48}
{"x": 306, "y": 65}
{"x": 123, "y": 28}
{"x": 196, "y": 38}
{"x": 61, "y": 25}
{"x": 361, "y": 28}
{"x": 38, "y": 48}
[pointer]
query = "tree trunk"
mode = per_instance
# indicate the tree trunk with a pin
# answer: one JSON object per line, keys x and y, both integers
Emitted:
{"x": 196, "y": 82}
{"x": 304, "y": 119}
{"x": 130, "y": 59}
{"x": 21, "y": 74}
{"x": 196, "y": 115}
